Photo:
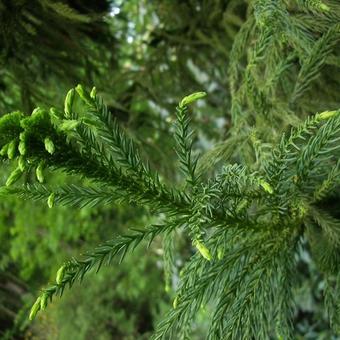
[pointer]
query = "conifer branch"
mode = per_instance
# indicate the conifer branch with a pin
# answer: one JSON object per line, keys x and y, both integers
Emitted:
{"x": 183, "y": 136}
{"x": 314, "y": 62}
{"x": 327, "y": 185}
{"x": 75, "y": 270}
{"x": 71, "y": 195}
{"x": 265, "y": 193}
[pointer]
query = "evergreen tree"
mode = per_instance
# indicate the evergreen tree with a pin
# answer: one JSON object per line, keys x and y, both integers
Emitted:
{"x": 250, "y": 205}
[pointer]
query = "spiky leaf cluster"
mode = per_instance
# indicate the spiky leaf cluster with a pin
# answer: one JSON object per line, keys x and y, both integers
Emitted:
{"x": 246, "y": 225}
{"x": 247, "y": 220}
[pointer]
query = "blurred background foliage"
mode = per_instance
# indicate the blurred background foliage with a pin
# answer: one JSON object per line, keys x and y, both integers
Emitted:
{"x": 143, "y": 56}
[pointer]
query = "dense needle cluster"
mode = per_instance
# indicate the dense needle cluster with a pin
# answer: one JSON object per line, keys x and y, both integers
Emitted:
{"x": 247, "y": 220}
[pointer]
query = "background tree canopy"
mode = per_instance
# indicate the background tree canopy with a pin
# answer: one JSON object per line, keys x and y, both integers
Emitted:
{"x": 266, "y": 66}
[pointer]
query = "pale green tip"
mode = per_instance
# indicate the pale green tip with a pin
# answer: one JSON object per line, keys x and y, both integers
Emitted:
{"x": 324, "y": 7}
{"x": 22, "y": 148}
{"x": 49, "y": 145}
{"x": 191, "y": 98}
{"x": 36, "y": 111}
{"x": 80, "y": 89}
{"x": 266, "y": 186}
{"x": 203, "y": 250}
{"x": 40, "y": 173}
{"x": 13, "y": 177}
{"x": 68, "y": 104}
{"x": 60, "y": 274}
{"x": 22, "y": 163}
{"x": 175, "y": 302}
{"x": 35, "y": 309}
{"x": 4, "y": 150}
{"x": 327, "y": 114}
{"x": 12, "y": 148}
{"x": 50, "y": 200}
{"x": 93, "y": 92}
{"x": 43, "y": 301}
{"x": 84, "y": 95}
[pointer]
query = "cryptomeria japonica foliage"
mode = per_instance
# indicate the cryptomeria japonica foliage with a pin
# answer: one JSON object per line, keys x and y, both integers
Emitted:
{"x": 247, "y": 217}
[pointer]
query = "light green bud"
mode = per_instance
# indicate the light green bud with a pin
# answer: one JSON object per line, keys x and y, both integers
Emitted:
{"x": 22, "y": 163}
{"x": 43, "y": 301}
{"x": 22, "y": 136}
{"x": 68, "y": 104}
{"x": 12, "y": 149}
{"x": 39, "y": 172}
{"x": 49, "y": 145}
{"x": 60, "y": 274}
{"x": 175, "y": 302}
{"x": 50, "y": 200}
{"x": 203, "y": 250}
{"x": 84, "y": 95}
{"x": 327, "y": 114}
{"x": 4, "y": 150}
{"x": 13, "y": 177}
{"x": 22, "y": 148}
{"x": 266, "y": 186}
{"x": 324, "y": 7}
{"x": 93, "y": 92}
{"x": 37, "y": 111}
{"x": 191, "y": 98}
{"x": 35, "y": 309}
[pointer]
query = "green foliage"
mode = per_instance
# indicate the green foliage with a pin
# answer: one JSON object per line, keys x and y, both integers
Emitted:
{"x": 251, "y": 205}
{"x": 262, "y": 254}
{"x": 127, "y": 311}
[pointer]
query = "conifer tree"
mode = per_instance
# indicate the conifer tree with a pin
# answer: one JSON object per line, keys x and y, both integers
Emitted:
{"x": 247, "y": 217}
